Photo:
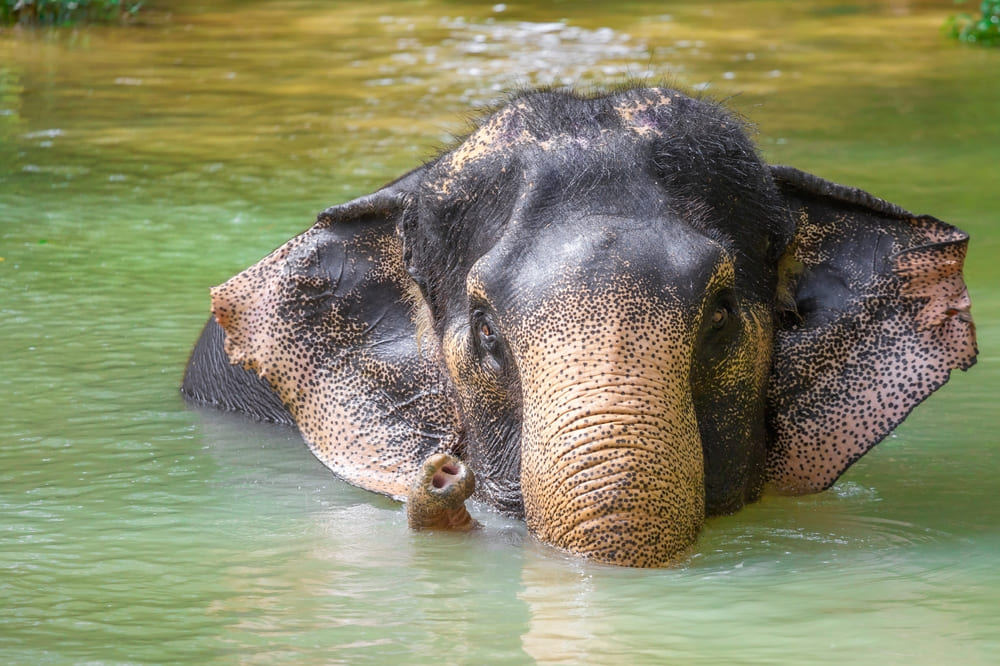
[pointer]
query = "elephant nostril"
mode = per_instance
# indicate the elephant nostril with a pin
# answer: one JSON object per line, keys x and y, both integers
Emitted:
{"x": 445, "y": 476}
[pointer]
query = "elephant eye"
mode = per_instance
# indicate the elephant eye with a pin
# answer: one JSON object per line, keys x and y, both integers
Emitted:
{"x": 487, "y": 338}
{"x": 487, "y": 335}
{"x": 720, "y": 317}
{"x": 488, "y": 342}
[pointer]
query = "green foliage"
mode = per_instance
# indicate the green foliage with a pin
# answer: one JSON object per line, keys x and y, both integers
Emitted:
{"x": 982, "y": 30}
{"x": 66, "y": 12}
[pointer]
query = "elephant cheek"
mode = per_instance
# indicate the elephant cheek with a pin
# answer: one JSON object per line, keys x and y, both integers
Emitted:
{"x": 615, "y": 477}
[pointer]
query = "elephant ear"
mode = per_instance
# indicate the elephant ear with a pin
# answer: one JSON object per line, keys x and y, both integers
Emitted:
{"x": 878, "y": 317}
{"x": 326, "y": 320}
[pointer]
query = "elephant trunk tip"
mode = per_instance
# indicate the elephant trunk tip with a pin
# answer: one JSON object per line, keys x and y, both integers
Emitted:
{"x": 437, "y": 496}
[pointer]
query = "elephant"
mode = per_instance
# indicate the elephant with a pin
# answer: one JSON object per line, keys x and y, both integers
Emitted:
{"x": 601, "y": 313}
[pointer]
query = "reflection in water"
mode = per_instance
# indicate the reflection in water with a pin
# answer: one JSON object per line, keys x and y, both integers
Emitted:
{"x": 568, "y": 622}
{"x": 802, "y": 611}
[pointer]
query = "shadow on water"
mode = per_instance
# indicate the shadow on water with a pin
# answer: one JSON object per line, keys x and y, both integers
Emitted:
{"x": 140, "y": 166}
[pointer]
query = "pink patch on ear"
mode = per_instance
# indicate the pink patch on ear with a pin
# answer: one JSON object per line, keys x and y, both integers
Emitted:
{"x": 244, "y": 307}
{"x": 837, "y": 390}
{"x": 933, "y": 274}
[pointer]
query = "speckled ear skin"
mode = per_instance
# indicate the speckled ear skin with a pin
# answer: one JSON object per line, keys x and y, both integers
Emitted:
{"x": 881, "y": 317}
{"x": 326, "y": 320}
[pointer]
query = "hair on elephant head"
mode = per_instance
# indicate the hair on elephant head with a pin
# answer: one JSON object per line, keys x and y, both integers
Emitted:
{"x": 604, "y": 313}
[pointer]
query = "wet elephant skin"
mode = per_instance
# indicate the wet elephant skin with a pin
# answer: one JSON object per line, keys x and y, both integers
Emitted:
{"x": 606, "y": 309}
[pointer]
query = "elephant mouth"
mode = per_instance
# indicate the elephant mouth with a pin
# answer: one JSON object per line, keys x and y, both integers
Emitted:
{"x": 502, "y": 493}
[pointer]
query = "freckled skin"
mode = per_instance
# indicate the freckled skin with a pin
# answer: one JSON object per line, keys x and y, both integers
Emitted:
{"x": 603, "y": 314}
{"x": 845, "y": 377}
{"x": 611, "y": 463}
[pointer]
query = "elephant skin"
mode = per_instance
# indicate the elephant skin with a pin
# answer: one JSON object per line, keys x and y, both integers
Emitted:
{"x": 603, "y": 314}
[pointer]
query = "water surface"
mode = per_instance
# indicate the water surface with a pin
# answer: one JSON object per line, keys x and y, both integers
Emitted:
{"x": 140, "y": 166}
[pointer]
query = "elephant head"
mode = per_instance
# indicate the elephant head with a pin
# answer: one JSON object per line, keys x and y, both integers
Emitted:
{"x": 611, "y": 311}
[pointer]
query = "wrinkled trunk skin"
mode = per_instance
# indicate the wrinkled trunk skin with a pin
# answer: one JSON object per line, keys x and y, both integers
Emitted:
{"x": 612, "y": 464}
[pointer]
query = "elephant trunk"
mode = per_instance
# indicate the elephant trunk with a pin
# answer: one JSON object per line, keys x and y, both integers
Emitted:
{"x": 612, "y": 464}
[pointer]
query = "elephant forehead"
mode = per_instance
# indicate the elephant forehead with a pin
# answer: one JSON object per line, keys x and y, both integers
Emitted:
{"x": 652, "y": 259}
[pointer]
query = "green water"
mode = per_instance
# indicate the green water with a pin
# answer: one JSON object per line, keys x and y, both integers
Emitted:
{"x": 140, "y": 166}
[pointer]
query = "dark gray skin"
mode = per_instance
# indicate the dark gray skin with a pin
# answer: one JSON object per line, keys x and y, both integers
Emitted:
{"x": 605, "y": 314}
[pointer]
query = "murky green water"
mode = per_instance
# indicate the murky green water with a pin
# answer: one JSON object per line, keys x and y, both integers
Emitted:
{"x": 140, "y": 166}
